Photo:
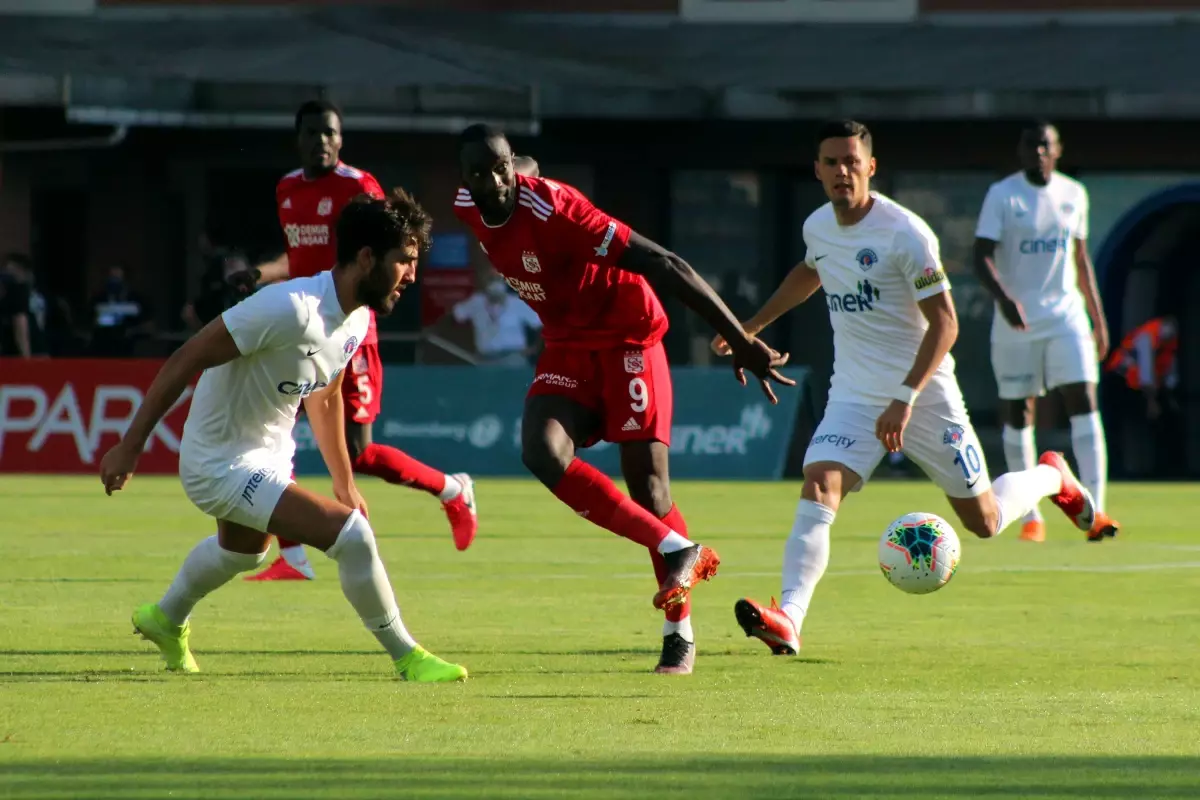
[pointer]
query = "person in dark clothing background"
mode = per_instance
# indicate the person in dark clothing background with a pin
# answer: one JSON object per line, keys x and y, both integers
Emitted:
{"x": 22, "y": 310}
{"x": 216, "y": 293}
{"x": 119, "y": 316}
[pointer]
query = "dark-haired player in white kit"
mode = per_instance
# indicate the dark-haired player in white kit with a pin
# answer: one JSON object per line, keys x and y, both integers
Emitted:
{"x": 286, "y": 344}
{"x": 893, "y": 384}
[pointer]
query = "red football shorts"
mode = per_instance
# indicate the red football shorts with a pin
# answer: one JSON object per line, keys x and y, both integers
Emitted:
{"x": 629, "y": 387}
{"x": 363, "y": 385}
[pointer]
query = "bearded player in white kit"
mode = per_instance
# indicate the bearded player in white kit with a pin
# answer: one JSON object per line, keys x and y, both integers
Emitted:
{"x": 893, "y": 386}
{"x": 1031, "y": 255}
{"x": 286, "y": 344}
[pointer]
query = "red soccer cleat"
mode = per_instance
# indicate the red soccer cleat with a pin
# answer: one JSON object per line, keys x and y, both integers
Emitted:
{"x": 1076, "y": 501}
{"x": 464, "y": 519}
{"x": 770, "y": 625}
{"x": 684, "y": 569}
{"x": 279, "y": 570}
{"x": 1033, "y": 531}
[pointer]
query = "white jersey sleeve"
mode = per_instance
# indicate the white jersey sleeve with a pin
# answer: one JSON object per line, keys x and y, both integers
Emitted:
{"x": 1081, "y": 230}
{"x": 271, "y": 318}
{"x": 920, "y": 259}
{"x": 991, "y": 216}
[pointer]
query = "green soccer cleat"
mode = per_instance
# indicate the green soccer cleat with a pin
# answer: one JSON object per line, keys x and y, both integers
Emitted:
{"x": 424, "y": 667}
{"x": 151, "y": 624}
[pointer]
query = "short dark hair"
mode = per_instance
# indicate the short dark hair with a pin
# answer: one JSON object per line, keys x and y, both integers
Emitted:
{"x": 478, "y": 133}
{"x": 844, "y": 129}
{"x": 316, "y": 107}
{"x": 382, "y": 224}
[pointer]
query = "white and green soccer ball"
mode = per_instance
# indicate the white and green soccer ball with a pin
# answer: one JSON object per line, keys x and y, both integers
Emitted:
{"x": 919, "y": 553}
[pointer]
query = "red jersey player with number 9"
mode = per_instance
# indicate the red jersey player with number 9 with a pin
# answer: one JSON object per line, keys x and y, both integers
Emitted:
{"x": 604, "y": 373}
{"x": 309, "y": 201}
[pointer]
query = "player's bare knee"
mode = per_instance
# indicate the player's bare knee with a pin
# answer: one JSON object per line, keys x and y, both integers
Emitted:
{"x": 822, "y": 484}
{"x": 545, "y": 459}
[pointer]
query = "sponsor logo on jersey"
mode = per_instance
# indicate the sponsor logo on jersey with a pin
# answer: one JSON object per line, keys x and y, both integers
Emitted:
{"x": 287, "y": 203}
{"x": 954, "y": 436}
{"x": 866, "y": 258}
{"x": 256, "y": 478}
{"x": 306, "y": 235}
{"x": 530, "y": 262}
{"x": 325, "y": 207}
{"x": 527, "y": 291}
{"x": 635, "y": 363}
{"x": 602, "y": 250}
{"x": 930, "y": 277}
{"x": 552, "y": 379}
{"x": 301, "y": 389}
{"x": 835, "y": 439}
{"x": 852, "y": 303}
{"x": 1031, "y": 247}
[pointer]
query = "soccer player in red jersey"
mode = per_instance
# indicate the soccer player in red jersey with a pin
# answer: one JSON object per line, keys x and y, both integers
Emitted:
{"x": 309, "y": 201}
{"x": 603, "y": 374}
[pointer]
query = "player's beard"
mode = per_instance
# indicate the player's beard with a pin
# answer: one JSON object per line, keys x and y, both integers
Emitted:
{"x": 375, "y": 290}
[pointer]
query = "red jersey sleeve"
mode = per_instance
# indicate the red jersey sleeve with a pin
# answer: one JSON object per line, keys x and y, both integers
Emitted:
{"x": 586, "y": 234}
{"x": 369, "y": 185}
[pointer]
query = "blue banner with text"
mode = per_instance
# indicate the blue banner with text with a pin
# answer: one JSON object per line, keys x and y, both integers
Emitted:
{"x": 468, "y": 419}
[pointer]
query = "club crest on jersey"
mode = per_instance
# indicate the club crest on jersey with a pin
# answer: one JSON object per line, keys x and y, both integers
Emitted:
{"x": 953, "y": 436}
{"x": 866, "y": 258}
{"x": 350, "y": 346}
{"x": 635, "y": 363}
{"x": 325, "y": 207}
{"x": 1068, "y": 209}
{"x": 530, "y": 260}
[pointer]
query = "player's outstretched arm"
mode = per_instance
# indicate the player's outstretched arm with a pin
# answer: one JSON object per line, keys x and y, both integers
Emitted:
{"x": 798, "y": 286}
{"x": 1091, "y": 297}
{"x": 327, "y": 419}
{"x": 985, "y": 269}
{"x": 671, "y": 272}
{"x": 267, "y": 272}
{"x": 212, "y": 346}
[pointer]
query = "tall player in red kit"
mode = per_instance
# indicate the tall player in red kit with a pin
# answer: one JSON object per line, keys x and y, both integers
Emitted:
{"x": 603, "y": 374}
{"x": 309, "y": 201}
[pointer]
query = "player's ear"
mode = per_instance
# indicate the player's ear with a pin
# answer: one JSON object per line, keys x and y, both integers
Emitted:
{"x": 871, "y": 168}
{"x": 817, "y": 168}
{"x": 365, "y": 258}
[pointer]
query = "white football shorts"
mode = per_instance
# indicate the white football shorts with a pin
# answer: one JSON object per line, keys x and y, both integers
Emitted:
{"x": 939, "y": 439}
{"x": 244, "y": 492}
{"x": 1028, "y": 368}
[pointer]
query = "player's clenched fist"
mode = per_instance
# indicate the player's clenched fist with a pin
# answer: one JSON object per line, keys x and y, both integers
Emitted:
{"x": 117, "y": 467}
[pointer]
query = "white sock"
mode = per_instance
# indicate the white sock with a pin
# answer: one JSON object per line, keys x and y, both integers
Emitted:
{"x": 805, "y": 557}
{"x": 1021, "y": 454}
{"x": 673, "y": 542}
{"x": 451, "y": 490}
{"x": 683, "y": 628}
{"x": 207, "y": 568}
{"x": 298, "y": 559}
{"x": 365, "y": 584}
{"x": 1017, "y": 492}
{"x": 1091, "y": 454}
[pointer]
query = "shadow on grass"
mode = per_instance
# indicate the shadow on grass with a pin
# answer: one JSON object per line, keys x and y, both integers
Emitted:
{"x": 748, "y": 776}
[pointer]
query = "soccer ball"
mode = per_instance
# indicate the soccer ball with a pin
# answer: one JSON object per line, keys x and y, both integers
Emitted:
{"x": 919, "y": 553}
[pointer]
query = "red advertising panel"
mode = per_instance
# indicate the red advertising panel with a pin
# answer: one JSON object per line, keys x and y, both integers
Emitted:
{"x": 62, "y": 415}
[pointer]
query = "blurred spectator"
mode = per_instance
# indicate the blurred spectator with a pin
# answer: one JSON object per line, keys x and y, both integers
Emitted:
{"x": 216, "y": 292}
{"x": 22, "y": 310}
{"x": 119, "y": 317}
{"x": 502, "y": 322}
{"x": 1148, "y": 360}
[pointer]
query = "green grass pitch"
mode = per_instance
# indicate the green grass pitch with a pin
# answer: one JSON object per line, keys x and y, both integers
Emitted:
{"x": 1063, "y": 670}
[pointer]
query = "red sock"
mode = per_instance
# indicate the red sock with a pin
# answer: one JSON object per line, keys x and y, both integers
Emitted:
{"x": 597, "y": 499}
{"x": 394, "y": 466}
{"x": 283, "y": 543}
{"x": 673, "y": 520}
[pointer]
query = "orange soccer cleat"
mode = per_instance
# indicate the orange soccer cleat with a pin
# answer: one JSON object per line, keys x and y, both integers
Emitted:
{"x": 279, "y": 570}
{"x": 685, "y": 568}
{"x": 1033, "y": 531}
{"x": 771, "y": 625}
{"x": 1076, "y": 502}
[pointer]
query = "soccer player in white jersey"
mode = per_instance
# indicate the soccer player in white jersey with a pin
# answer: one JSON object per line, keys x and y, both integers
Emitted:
{"x": 288, "y": 343}
{"x": 893, "y": 384}
{"x": 1031, "y": 254}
